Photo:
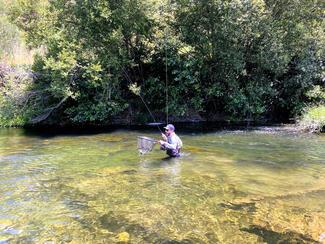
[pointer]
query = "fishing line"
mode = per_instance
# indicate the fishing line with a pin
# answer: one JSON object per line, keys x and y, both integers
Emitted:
{"x": 166, "y": 64}
{"x": 166, "y": 74}
{"x": 150, "y": 113}
{"x": 145, "y": 104}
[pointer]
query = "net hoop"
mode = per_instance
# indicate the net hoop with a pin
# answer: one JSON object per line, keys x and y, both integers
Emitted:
{"x": 145, "y": 144}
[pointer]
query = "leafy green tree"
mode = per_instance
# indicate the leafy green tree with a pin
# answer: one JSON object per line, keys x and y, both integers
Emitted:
{"x": 244, "y": 59}
{"x": 93, "y": 51}
{"x": 249, "y": 49}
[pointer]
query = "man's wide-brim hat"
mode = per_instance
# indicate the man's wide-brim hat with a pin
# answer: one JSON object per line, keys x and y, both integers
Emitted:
{"x": 170, "y": 127}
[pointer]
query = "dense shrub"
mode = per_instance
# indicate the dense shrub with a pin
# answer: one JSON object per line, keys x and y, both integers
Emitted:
{"x": 243, "y": 59}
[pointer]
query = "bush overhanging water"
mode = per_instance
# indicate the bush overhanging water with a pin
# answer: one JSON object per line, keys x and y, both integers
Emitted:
{"x": 225, "y": 59}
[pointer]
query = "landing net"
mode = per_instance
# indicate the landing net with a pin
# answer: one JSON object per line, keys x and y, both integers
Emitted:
{"x": 145, "y": 144}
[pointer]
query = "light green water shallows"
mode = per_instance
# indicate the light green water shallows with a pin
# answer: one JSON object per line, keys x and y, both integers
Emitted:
{"x": 228, "y": 187}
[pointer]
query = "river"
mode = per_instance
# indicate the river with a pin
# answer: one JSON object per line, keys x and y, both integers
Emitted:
{"x": 229, "y": 186}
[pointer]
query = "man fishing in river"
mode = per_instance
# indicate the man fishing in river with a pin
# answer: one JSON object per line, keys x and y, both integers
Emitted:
{"x": 171, "y": 143}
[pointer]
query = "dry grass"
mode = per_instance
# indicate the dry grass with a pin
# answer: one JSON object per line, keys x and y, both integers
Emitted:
{"x": 21, "y": 55}
{"x": 14, "y": 49}
{"x": 313, "y": 119}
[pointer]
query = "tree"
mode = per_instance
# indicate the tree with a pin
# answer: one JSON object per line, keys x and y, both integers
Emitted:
{"x": 245, "y": 59}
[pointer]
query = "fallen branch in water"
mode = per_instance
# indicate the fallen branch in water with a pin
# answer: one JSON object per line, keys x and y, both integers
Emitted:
{"x": 48, "y": 112}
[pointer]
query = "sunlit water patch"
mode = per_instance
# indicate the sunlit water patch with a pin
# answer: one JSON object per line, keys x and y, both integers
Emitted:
{"x": 253, "y": 186}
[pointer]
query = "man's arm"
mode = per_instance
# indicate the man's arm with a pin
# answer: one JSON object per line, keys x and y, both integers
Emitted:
{"x": 172, "y": 145}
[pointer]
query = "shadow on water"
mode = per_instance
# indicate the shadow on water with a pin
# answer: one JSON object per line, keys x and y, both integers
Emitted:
{"x": 48, "y": 132}
{"x": 249, "y": 207}
{"x": 270, "y": 236}
{"x": 182, "y": 127}
{"x": 117, "y": 224}
{"x": 113, "y": 222}
{"x": 91, "y": 220}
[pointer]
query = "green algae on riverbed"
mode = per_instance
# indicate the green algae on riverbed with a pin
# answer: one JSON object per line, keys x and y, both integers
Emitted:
{"x": 228, "y": 187}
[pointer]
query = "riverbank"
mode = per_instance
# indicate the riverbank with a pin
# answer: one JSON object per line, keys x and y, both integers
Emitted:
{"x": 15, "y": 111}
{"x": 22, "y": 104}
{"x": 313, "y": 119}
{"x": 182, "y": 128}
{"x": 195, "y": 123}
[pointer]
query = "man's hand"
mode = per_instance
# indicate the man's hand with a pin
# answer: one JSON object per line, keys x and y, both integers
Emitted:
{"x": 162, "y": 142}
{"x": 164, "y": 136}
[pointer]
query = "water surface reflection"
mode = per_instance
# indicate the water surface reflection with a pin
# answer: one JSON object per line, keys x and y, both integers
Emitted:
{"x": 231, "y": 187}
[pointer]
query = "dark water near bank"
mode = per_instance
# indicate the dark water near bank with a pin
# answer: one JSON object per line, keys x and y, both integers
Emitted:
{"x": 238, "y": 186}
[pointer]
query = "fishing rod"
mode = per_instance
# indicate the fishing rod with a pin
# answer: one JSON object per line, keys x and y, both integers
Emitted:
{"x": 136, "y": 91}
{"x": 150, "y": 113}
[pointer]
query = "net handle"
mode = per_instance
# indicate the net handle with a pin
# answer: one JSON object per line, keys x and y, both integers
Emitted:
{"x": 147, "y": 139}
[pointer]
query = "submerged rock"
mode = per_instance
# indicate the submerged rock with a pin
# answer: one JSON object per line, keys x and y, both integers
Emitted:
{"x": 123, "y": 237}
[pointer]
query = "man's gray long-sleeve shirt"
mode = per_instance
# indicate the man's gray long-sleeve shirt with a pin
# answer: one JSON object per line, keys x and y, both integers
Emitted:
{"x": 173, "y": 142}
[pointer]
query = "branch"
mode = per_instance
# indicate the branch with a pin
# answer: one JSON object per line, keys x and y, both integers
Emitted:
{"x": 48, "y": 112}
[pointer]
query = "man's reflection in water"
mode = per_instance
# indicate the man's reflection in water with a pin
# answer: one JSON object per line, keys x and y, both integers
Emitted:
{"x": 167, "y": 168}
{"x": 163, "y": 180}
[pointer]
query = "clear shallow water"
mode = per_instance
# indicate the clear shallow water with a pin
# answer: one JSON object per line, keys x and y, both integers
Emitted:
{"x": 228, "y": 187}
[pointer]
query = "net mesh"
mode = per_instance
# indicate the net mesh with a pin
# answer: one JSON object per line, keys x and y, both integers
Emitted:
{"x": 145, "y": 144}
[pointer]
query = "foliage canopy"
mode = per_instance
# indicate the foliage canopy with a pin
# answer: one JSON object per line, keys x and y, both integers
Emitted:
{"x": 243, "y": 59}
